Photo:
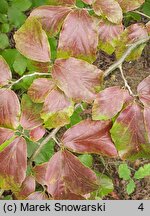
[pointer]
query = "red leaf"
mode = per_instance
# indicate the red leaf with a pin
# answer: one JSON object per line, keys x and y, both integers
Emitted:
{"x": 65, "y": 172}
{"x": 78, "y": 37}
{"x": 9, "y": 109}
{"x": 32, "y": 42}
{"x": 78, "y": 79}
{"x": 103, "y": 109}
{"x": 27, "y": 187}
{"x": 90, "y": 137}
{"x": 143, "y": 90}
{"x": 129, "y": 5}
{"x": 147, "y": 120}
{"x": 129, "y": 134}
{"x": 109, "y": 9}
{"x": 51, "y": 17}
{"x": 37, "y": 196}
{"x": 30, "y": 116}
{"x": 13, "y": 164}
{"x": 148, "y": 27}
{"x": 5, "y": 134}
{"x": 37, "y": 133}
{"x": 5, "y": 73}
{"x": 39, "y": 89}
{"x": 88, "y": 1}
{"x": 57, "y": 109}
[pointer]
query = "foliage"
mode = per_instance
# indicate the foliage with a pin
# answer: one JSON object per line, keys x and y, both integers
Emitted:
{"x": 55, "y": 48}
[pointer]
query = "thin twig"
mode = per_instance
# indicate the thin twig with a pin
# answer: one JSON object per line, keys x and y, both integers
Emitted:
{"x": 125, "y": 55}
{"x": 37, "y": 151}
{"x": 125, "y": 81}
{"x": 29, "y": 75}
{"x": 138, "y": 12}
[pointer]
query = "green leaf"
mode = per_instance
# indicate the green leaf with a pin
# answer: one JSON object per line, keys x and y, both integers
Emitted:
{"x": 53, "y": 45}
{"x": 5, "y": 28}
{"x": 124, "y": 171}
{"x": 21, "y": 5}
{"x": 146, "y": 8}
{"x": 75, "y": 118}
{"x": 4, "y": 41}
{"x": 20, "y": 64}
{"x": 3, "y": 6}
{"x": 142, "y": 172}
{"x": 86, "y": 159}
{"x": 3, "y": 18}
{"x": 10, "y": 55}
{"x": 130, "y": 187}
{"x": 80, "y": 4}
{"x": 36, "y": 3}
{"x": 16, "y": 17}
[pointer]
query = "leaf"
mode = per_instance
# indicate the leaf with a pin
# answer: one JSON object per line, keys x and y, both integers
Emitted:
{"x": 4, "y": 7}
{"x": 86, "y": 159}
{"x": 30, "y": 116}
{"x": 65, "y": 172}
{"x": 37, "y": 133}
{"x": 31, "y": 41}
{"x": 124, "y": 171}
{"x": 147, "y": 121}
{"x": 27, "y": 187}
{"x": 46, "y": 153}
{"x": 39, "y": 89}
{"x": 143, "y": 90}
{"x": 102, "y": 108}
{"x": 132, "y": 34}
{"x": 109, "y": 33}
{"x": 10, "y": 55}
{"x": 5, "y": 27}
{"x": 75, "y": 118}
{"x": 37, "y": 195}
{"x": 148, "y": 27}
{"x": 53, "y": 44}
{"x": 129, "y": 134}
{"x": 9, "y": 109}
{"x": 5, "y": 73}
{"x": 5, "y": 134}
{"x": 13, "y": 160}
{"x": 22, "y": 5}
{"x": 78, "y": 79}
{"x": 16, "y": 17}
{"x": 42, "y": 67}
{"x": 4, "y": 41}
{"x": 109, "y": 9}
{"x": 142, "y": 172}
{"x": 61, "y": 2}
{"x": 20, "y": 64}
{"x": 90, "y": 137}
{"x": 88, "y": 1}
{"x": 130, "y": 187}
{"x": 146, "y": 8}
{"x": 78, "y": 37}
{"x": 51, "y": 17}
{"x": 57, "y": 109}
{"x": 128, "y": 5}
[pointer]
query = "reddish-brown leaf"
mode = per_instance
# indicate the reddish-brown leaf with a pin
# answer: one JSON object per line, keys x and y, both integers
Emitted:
{"x": 37, "y": 133}
{"x": 147, "y": 120}
{"x": 63, "y": 173}
{"x": 37, "y": 196}
{"x": 109, "y": 9}
{"x": 51, "y": 17}
{"x": 27, "y": 187}
{"x": 90, "y": 137}
{"x": 57, "y": 109}
{"x": 78, "y": 37}
{"x": 108, "y": 103}
{"x": 88, "y": 1}
{"x": 78, "y": 79}
{"x": 30, "y": 116}
{"x": 32, "y": 42}
{"x": 143, "y": 90}
{"x": 39, "y": 89}
{"x": 5, "y": 134}
{"x": 13, "y": 164}
{"x": 9, "y": 109}
{"x": 129, "y": 134}
{"x": 5, "y": 73}
{"x": 129, "y": 5}
{"x": 148, "y": 27}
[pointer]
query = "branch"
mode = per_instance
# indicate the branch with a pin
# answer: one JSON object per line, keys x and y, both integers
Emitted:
{"x": 125, "y": 55}
{"x": 29, "y": 75}
{"x": 125, "y": 81}
{"x": 37, "y": 151}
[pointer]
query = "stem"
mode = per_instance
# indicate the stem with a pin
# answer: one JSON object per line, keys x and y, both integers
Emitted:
{"x": 1, "y": 192}
{"x": 138, "y": 12}
{"x": 29, "y": 75}
{"x": 125, "y": 81}
{"x": 37, "y": 151}
{"x": 125, "y": 55}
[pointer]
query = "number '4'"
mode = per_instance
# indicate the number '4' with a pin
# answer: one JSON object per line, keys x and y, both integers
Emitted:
{"x": 141, "y": 207}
